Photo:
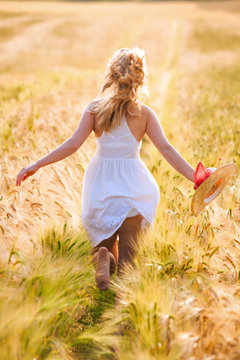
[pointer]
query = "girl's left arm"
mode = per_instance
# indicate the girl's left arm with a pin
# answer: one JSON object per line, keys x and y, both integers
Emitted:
{"x": 70, "y": 146}
{"x": 158, "y": 138}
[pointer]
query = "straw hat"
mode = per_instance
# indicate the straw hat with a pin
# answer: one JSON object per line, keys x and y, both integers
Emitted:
{"x": 212, "y": 186}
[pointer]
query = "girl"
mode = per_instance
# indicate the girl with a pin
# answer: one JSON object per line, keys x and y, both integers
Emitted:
{"x": 120, "y": 195}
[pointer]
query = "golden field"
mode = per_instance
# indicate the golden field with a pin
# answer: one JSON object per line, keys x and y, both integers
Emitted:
{"x": 182, "y": 299}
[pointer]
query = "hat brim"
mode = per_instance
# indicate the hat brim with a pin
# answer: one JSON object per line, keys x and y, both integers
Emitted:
{"x": 211, "y": 187}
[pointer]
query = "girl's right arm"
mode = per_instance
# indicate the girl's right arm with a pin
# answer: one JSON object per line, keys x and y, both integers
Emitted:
{"x": 156, "y": 135}
{"x": 66, "y": 149}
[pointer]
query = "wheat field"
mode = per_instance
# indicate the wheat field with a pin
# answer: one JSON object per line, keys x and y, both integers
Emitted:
{"x": 182, "y": 298}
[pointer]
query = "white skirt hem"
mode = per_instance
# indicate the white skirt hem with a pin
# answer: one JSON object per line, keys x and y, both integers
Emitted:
{"x": 96, "y": 236}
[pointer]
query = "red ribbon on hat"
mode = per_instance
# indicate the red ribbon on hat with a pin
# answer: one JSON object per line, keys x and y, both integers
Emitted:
{"x": 200, "y": 175}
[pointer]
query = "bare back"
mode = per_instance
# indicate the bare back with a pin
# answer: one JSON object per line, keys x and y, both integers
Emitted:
{"x": 137, "y": 122}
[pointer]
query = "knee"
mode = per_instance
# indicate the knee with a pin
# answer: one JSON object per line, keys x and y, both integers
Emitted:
{"x": 97, "y": 248}
{"x": 103, "y": 249}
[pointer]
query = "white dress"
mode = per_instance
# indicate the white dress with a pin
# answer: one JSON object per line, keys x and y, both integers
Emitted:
{"x": 116, "y": 185}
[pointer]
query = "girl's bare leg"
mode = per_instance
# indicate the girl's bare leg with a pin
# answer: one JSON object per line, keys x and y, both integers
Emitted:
{"x": 128, "y": 237}
{"x": 105, "y": 259}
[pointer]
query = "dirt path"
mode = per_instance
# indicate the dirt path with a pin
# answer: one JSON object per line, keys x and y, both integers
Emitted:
{"x": 31, "y": 37}
{"x": 167, "y": 71}
{"x": 10, "y": 22}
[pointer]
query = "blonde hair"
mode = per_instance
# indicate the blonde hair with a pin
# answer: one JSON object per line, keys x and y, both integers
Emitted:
{"x": 126, "y": 75}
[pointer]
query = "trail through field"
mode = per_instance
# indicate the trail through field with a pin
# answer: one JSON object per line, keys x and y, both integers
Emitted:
{"x": 31, "y": 37}
{"x": 10, "y": 22}
{"x": 166, "y": 73}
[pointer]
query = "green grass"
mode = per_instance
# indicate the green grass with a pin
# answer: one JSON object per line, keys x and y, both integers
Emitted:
{"x": 37, "y": 92}
{"x": 215, "y": 115}
{"x": 49, "y": 298}
{"x": 208, "y": 39}
{"x": 69, "y": 29}
{"x": 11, "y": 92}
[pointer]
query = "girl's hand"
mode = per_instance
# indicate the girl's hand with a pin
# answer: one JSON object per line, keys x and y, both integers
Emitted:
{"x": 201, "y": 174}
{"x": 26, "y": 172}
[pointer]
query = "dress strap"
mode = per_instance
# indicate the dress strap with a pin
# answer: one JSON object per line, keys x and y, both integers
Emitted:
{"x": 129, "y": 131}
